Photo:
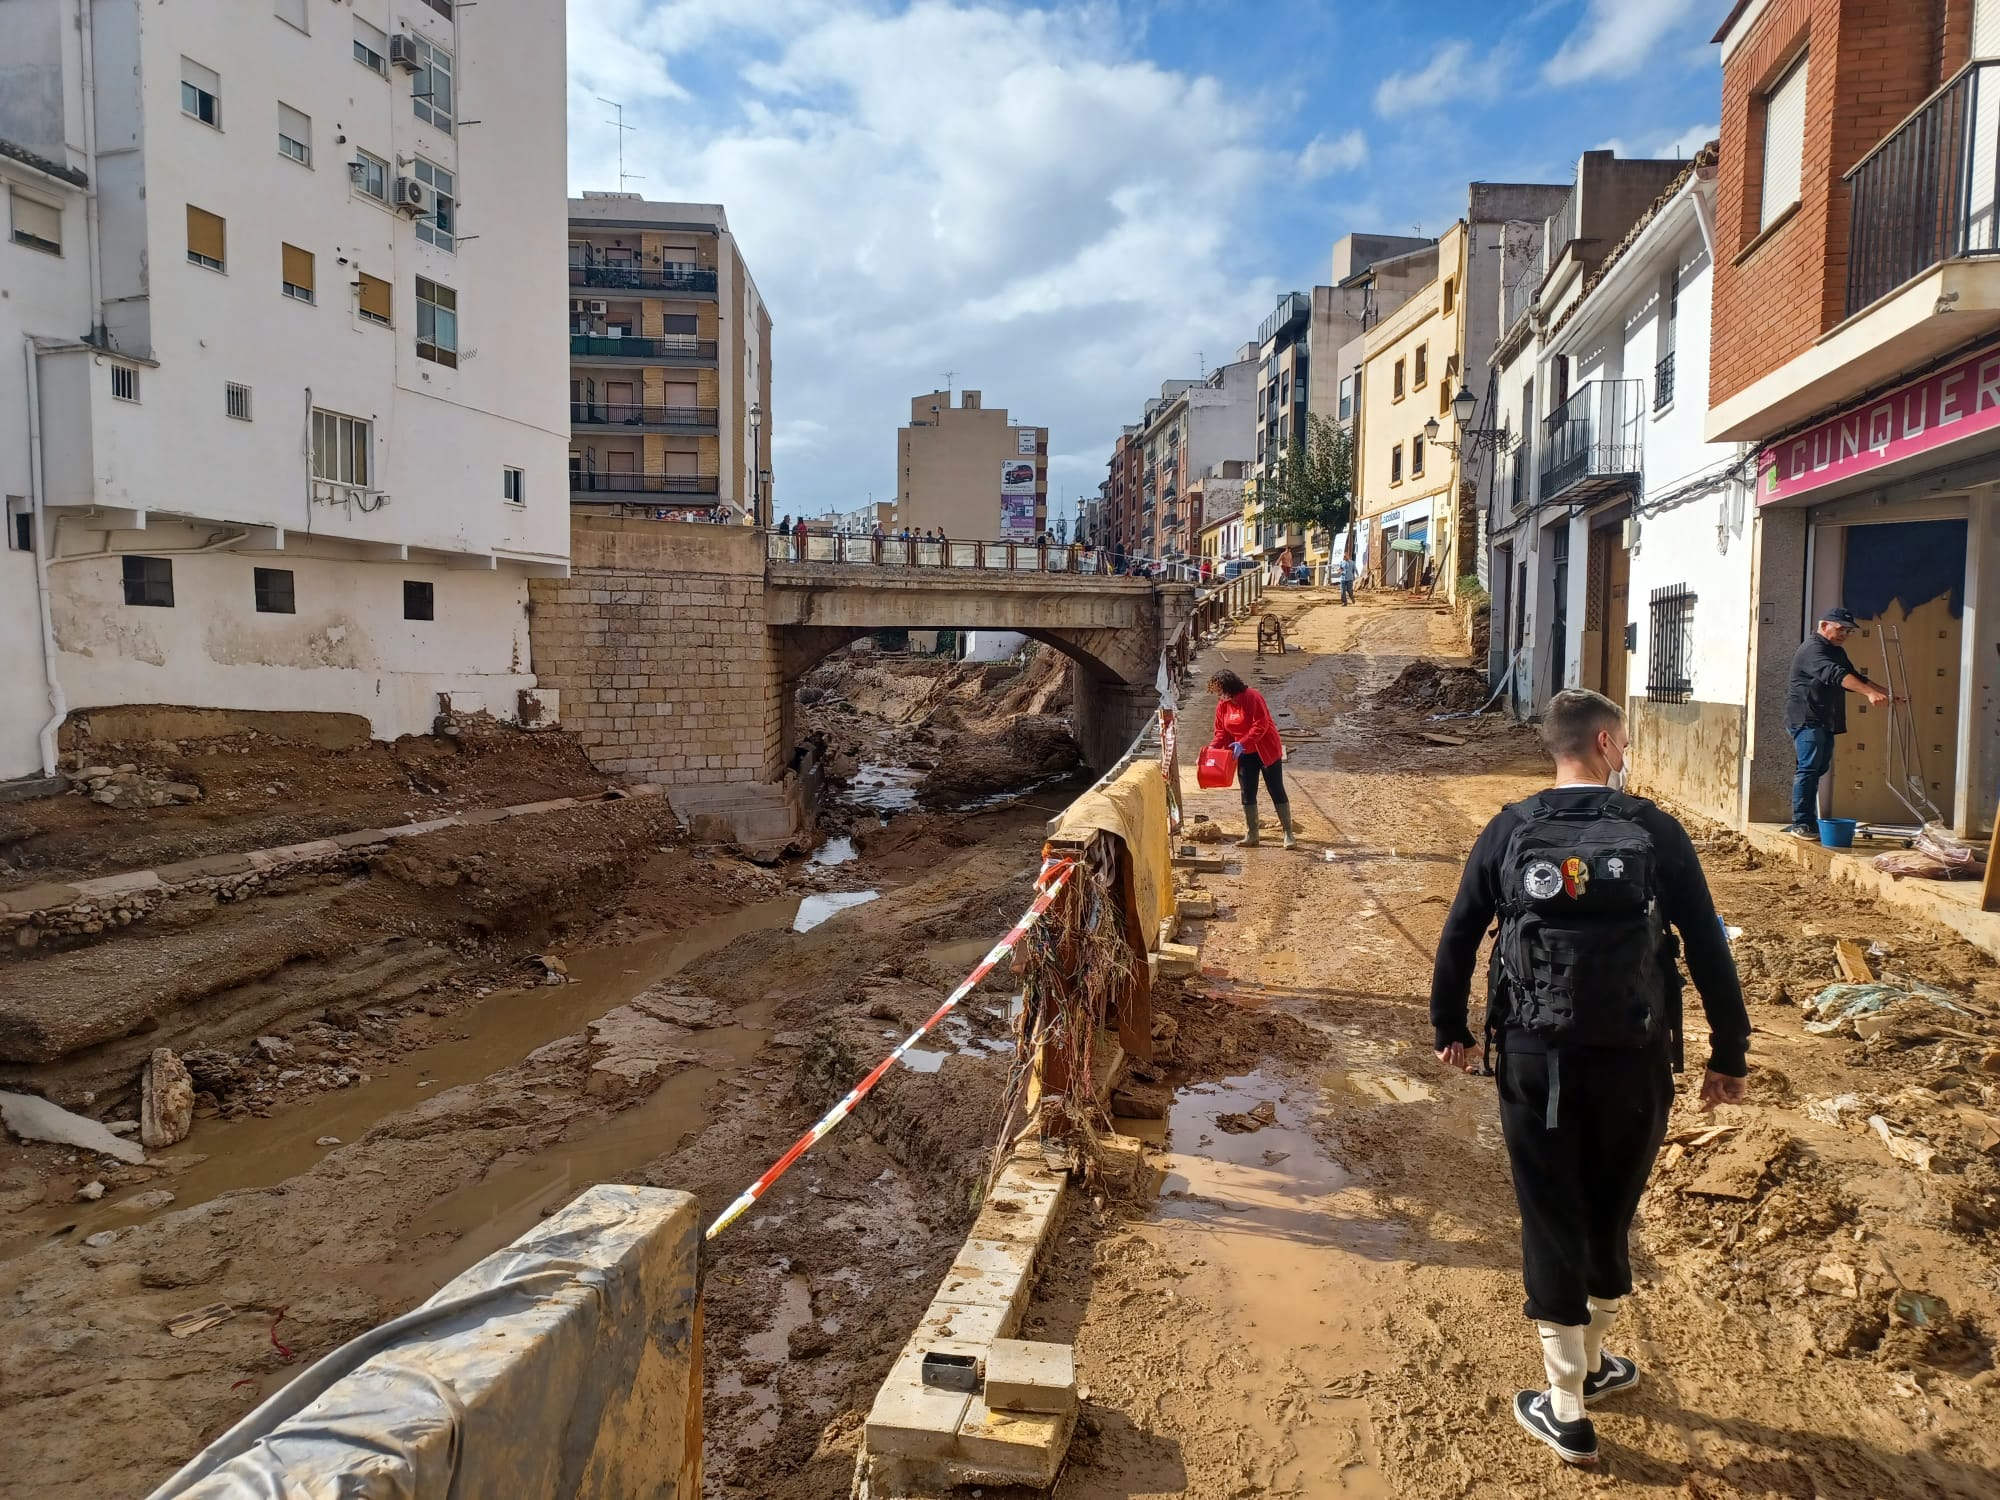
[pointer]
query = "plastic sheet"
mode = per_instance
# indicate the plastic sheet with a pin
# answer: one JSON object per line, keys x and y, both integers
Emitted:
{"x": 561, "y": 1366}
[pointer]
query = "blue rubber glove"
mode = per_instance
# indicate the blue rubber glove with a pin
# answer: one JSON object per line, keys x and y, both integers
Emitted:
{"x": 1237, "y": 751}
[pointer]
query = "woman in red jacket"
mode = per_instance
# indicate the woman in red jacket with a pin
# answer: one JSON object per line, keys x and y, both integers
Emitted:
{"x": 1243, "y": 723}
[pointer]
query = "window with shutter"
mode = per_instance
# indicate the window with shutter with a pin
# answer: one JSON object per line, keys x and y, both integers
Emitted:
{"x": 298, "y": 273}
{"x": 295, "y": 135}
{"x": 371, "y": 47}
{"x": 1784, "y": 143}
{"x": 207, "y": 236}
{"x": 376, "y": 303}
{"x": 292, "y": 12}
{"x": 37, "y": 225}
{"x": 1986, "y": 28}
{"x": 201, "y": 93}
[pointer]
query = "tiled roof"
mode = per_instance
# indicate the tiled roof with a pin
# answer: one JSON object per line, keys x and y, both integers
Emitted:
{"x": 1706, "y": 157}
{"x": 43, "y": 164}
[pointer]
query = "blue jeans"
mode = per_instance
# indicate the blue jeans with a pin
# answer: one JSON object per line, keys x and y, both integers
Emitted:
{"x": 1815, "y": 748}
{"x": 1346, "y": 589}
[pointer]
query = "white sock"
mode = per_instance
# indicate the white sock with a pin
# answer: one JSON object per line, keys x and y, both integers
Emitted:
{"x": 1562, "y": 1358}
{"x": 1603, "y": 1312}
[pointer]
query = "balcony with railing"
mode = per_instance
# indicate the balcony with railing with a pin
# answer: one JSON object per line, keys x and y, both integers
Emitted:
{"x": 677, "y": 348}
{"x": 1519, "y": 295}
{"x": 632, "y": 414}
{"x": 1594, "y": 444}
{"x": 668, "y": 280}
{"x": 1925, "y": 194}
{"x": 586, "y": 481}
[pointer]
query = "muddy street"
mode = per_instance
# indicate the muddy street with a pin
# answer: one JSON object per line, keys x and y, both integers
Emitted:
{"x": 1319, "y": 1294}
{"x": 1330, "y": 1304}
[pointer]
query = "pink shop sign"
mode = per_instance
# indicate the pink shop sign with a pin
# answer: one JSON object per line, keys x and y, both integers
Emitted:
{"x": 1945, "y": 408}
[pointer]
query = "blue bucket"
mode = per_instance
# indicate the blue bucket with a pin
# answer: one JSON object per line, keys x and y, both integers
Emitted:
{"x": 1837, "y": 833}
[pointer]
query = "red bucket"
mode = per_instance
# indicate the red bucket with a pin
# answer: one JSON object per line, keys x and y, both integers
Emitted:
{"x": 1217, "y": 767}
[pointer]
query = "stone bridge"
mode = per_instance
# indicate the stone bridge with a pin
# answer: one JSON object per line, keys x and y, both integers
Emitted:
{"x": 674, "y": 651}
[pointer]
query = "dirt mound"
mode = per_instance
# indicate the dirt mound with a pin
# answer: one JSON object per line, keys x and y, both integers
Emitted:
{"x": 1425, "y": 684}
{"x": 255, "y": 790}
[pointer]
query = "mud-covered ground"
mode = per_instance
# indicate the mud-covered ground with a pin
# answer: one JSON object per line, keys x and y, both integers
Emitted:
{"x": 400, "y": 1064}
{"x": 1330, "y": 1304}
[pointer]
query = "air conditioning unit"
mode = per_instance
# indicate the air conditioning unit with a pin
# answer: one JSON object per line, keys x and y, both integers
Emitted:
{"x": 576, "y": 307}
{"x": 414, "y": 197}
{"x": 597, "y": 309}
{"x": 403, "y": 52}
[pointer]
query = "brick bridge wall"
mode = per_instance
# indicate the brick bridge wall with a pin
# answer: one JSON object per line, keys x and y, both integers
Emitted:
{"x": 677, "y": 653}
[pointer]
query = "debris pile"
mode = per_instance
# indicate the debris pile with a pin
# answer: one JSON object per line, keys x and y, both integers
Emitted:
{"x": 1446, "y": 690}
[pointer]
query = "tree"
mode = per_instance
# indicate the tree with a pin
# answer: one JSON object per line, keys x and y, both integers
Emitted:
{"x": 1312, "y": 485}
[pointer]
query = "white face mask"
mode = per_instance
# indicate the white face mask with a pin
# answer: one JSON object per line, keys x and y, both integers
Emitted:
{"x": 1616, "y": 780}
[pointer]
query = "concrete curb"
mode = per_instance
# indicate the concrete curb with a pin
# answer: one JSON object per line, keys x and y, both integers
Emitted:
{"x": 1950, "y": 904}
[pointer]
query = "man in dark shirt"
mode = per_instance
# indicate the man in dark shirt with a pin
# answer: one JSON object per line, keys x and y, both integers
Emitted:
{"x": 1583, "y": 1125}
{"x": 1816, "y": 710}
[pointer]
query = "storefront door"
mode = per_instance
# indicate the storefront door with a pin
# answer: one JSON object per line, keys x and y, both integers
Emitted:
{"x": 1905, "y": 582}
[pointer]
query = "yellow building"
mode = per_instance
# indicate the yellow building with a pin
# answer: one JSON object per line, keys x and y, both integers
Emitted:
{"x": 1408, "y": 483}
{"x": 670, "y": 362}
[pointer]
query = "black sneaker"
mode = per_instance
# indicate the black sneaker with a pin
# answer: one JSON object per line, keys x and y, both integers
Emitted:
{"x": 1613, "y": 1375}
{"x": 1574, "y": 1442}
{"x": 1801, "y": 831}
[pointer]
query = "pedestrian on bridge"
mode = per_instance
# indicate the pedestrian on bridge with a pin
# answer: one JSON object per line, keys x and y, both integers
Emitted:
{"x": 1583, "y": 1010}
{"x": 1243, "y": 724}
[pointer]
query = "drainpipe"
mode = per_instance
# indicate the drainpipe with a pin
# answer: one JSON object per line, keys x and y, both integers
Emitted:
{"x": 44, "y": 544}
{"x": 94, "y": 255}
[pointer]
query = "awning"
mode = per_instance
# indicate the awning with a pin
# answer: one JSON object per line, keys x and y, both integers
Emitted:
{"x": 1406, "y": 544}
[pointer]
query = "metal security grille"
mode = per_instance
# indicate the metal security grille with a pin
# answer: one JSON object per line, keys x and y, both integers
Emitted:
{"x": 1669, "y": 643}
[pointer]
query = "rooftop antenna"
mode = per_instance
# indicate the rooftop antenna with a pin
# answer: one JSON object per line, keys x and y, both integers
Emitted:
{"x": 1201, "y": 360}
{"x": 618, "y": 124}
{"x": 948, "y": 374}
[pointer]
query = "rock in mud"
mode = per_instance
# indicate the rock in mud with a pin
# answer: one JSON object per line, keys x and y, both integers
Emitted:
{"x": 629, "y": 1051}
{"x": 696, "y": 1012}
{"x": 166, "y": 1101}
{"x": 90, "y": 1192}
{"x": 1253, "y": 1120}
{"x": 36, "y": 1119}
{"x": 145, "y": 1203}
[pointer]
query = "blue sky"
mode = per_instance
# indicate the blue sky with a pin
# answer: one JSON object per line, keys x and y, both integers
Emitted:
{"x": 1066, "y": 204}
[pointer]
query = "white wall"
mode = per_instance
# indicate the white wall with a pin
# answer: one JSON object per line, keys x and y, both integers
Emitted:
{"x": 348, "y": 648}
{"x": 441, "y": 435}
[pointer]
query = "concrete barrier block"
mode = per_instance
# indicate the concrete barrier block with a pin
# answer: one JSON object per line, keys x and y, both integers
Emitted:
{"x": 1007, "y": 1447}
{"x": 1023, "y": 1376}
{"x": 1179, "y": 960}
{"x": 563, "y": 1366}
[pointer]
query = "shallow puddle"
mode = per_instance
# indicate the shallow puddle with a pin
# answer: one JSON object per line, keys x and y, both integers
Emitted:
{"x": 814, "y": 910}
{"x": 1260, "y": 1217}
{"x": 770, "y": 1345}
{"x": 494, "y": 1034}
{"x": 884, "y": 789}
{"x": 836, "y": 851}
{"x": 1385, "y": 1088}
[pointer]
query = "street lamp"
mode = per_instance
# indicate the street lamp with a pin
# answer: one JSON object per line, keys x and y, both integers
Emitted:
{"x": 757, "y": 516}
{"x": 1463, "y": 407}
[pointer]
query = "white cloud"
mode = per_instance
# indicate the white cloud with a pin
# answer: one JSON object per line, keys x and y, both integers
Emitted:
{"x": 1675, "y": 143}
{"x": 1614, "y": 39}
{"x": 1006, "y": 195}
{"x": 1324, "y": 156}
{"x": 1452, "y": 79}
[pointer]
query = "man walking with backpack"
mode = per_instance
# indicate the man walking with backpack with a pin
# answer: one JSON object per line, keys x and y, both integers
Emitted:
{"x": 1583, "y": 1012}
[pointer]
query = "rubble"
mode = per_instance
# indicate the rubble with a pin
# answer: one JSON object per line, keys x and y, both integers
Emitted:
{"x": 36, "y": 1119}
{"x": 166, "y": 1101}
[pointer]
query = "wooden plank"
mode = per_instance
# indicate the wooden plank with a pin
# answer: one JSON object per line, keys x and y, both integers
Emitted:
{"x": 1989, "y": 892}
{"x": 1853, "y": 962}
{"x": 1441, "y": 739}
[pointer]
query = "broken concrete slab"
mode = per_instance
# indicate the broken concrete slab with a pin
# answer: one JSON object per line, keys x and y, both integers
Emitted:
{"x": 35, "y": 1119}
{"x": 1030, "y": 1376}
{"x": 1201, "y": 864}
{"x": 1195, "y": 906}
{"x": 629, "y": 1050}
{"x": 1179, "y": 960}
{"x": 1007, "y": 1447}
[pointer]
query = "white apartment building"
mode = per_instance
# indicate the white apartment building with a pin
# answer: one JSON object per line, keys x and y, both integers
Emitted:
{"x": 292, "y": 374}
{"x": 1632, "y": 550}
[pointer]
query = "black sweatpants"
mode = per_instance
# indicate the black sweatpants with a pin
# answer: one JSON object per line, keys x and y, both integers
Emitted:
{"x": 1248, "y": 768}
{"x": 1578, "y": 1181}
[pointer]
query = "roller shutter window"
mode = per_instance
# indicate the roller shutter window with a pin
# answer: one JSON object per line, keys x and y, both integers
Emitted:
{"x": 37, "y": 225}
{"x": 1784, "y": 143}
{"x": 298, "y": 273}
{"x": 376, "y": 300}
{"x": 207, "y": 238}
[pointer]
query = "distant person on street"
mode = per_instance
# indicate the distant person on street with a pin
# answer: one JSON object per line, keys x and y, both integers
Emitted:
{"x": 1343, "y": 573}
{"x": 1429, "y": 574}
{"x": 1816, "y": 710}
{"x": 1244, "y": 725}
{"x": 799, "y": 541}
{"x": 1583, "y": 1012}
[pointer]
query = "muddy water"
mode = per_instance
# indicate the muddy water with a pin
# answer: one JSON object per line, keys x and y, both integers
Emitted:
{"x": 1270, "y": 1236}
{"x": 225, "y": 1155}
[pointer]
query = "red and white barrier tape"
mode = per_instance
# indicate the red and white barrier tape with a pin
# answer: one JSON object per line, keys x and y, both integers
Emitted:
{"x": 1054, "y": 873}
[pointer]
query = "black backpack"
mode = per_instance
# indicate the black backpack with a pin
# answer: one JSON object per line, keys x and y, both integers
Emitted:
{"x": 1584, "y": 958}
